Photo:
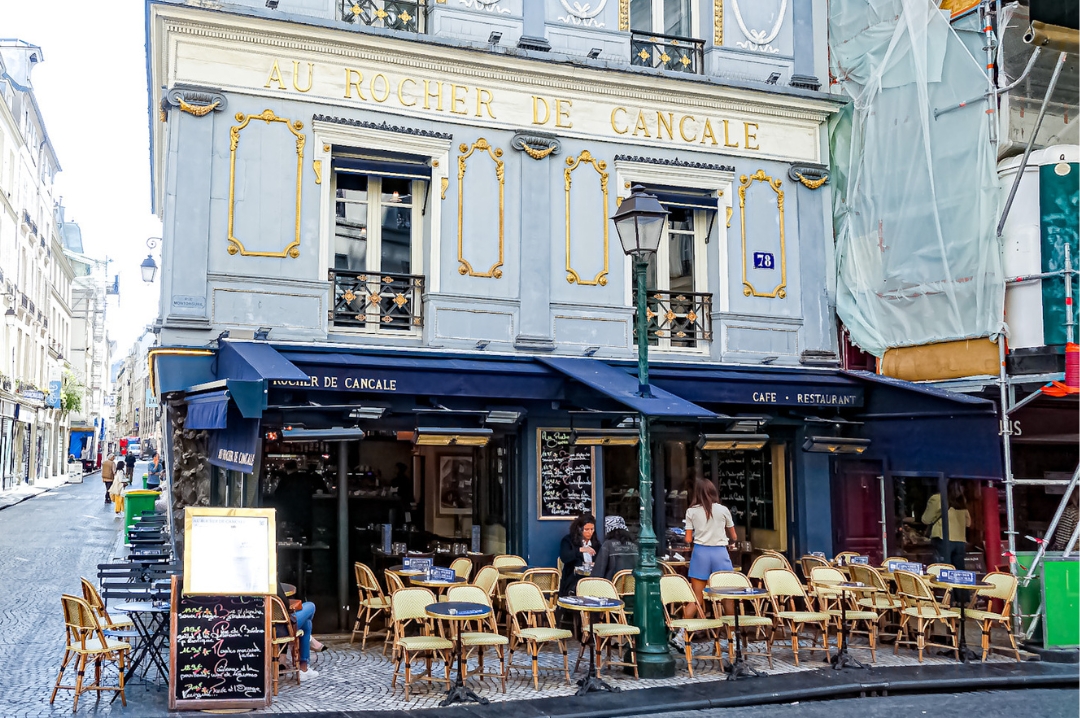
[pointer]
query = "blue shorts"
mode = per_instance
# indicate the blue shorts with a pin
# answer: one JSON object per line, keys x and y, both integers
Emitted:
{"x": 706, "y": 560}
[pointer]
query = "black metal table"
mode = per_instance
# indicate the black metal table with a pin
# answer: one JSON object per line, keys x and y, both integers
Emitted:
{"x": 587, "y": 605}
{"x": 150, "y": 621}
{"x": 457, "y": 612}
{"x": 740, "y": 668}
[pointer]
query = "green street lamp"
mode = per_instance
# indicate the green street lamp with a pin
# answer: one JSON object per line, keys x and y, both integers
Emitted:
{"x": 640, "y": 222}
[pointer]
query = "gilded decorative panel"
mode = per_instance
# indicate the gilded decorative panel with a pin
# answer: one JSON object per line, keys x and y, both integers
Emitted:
{"x": 573, "y": 163}
{"x": 718, "y": 23}
{"x": 780, "y": 290}
{"x": 624, "y": 15}
{"x": 495, "y": 272}
{"x": 235, "y": 245}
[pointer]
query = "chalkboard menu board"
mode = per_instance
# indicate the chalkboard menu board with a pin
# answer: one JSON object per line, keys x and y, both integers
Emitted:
{"x": 745, "y": 486}
{"x": 565, "y": 483}
{"x": 219, "y": 656}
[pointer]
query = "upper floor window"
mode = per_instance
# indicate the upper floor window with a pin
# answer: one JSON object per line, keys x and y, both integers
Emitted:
{"x": 668, "y": 17}
{"x": 679, "y": 303}
{"x": 377, "y": 243}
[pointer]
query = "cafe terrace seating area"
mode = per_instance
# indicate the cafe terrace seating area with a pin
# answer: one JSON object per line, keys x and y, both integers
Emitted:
{"x": 398, "y": 656}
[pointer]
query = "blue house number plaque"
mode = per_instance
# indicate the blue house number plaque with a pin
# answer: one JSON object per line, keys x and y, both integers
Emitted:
{"x": 764, "y": 260}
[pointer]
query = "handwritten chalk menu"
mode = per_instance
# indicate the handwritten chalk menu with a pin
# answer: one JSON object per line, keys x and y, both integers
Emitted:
{"x": 220, "y": 656}
{"x": 565, "y": 481}
{"x": 230, "y": 552}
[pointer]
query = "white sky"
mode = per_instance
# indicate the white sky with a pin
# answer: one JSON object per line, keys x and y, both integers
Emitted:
{"x": 91, "y": 88}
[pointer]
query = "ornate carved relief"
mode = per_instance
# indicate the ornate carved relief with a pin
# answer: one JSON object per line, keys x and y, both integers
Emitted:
{"x": 573, "y": 163}
{"x": 780, "y": 290}
{"x": 317, "y": 166}
{"x": 583, "y": 14}
{"x": 718, "y": 23}
{"x": 536, "y": 146}
{"x": 810, "y": 176}
{"x": 624, "y": 15}
{"x": 759, "y": 40}
{"x": 495, "y": 272}
{"x": 194, "y": 101}
{"x": 491, "y": 6}
{"x": 294, "y": 126}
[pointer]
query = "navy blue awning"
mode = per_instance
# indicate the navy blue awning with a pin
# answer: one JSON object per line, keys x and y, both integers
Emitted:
{"x": 392, "y": 373}
{"x": 623, "y": 388}
{"x": 207, "y": 411}
{"x": 235, "y": 446}
{"x": 762, "y": 387}
{"x": 382, "y": 168}
{"x": 684, "y": 197}
{"x": 254, "y": 361}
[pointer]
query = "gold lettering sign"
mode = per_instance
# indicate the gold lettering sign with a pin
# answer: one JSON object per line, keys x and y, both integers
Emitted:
{"x": 443, "y": 96}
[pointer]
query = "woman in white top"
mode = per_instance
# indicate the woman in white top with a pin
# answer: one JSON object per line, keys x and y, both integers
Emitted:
{"x": 709, "y": 527}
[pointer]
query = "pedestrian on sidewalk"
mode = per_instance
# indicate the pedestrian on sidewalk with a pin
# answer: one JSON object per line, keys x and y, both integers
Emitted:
{"x": 108, "y": 474}
{"x": 156, "y": 473}
{"x": 117, "y": 493}
{"x": 129, "y": 463}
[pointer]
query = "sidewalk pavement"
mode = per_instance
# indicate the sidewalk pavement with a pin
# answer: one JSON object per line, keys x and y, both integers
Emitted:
{"x": 22, "y": 492}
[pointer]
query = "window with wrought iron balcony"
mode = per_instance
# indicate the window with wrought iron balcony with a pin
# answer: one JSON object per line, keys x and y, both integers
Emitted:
{"x": 679, "y": 312}
{"x": 660, "y": 36}
{"x": 405, "y": 15}
{"x": 378, "y": 234}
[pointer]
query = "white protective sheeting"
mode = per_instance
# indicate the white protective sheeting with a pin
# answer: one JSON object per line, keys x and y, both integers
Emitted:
{"x": 915, "y": 200}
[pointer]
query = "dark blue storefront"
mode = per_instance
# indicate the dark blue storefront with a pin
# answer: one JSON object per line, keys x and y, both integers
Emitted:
{"x": 246, "y": 389}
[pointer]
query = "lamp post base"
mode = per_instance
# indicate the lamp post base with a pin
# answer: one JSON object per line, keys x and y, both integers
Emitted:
{"x": 653, "y": 664}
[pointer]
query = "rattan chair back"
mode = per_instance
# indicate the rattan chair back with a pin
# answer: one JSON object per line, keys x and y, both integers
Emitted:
{"x": 507, "y": 560}
{"x": 765, "y": 563}
{"x": 487, "y": 578}
{"x": 462, "y": 567}
{"x": 728, "y": 579}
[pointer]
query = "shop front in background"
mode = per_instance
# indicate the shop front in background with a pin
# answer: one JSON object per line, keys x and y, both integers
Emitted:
{"x": 403, "y": 497}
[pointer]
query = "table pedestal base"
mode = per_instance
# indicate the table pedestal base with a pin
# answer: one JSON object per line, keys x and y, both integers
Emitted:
{"x": 591, "y": 684}
{"x": 843, "y": 659}
{"x": 741, "y": 669}
{"x": 461, "y": 694}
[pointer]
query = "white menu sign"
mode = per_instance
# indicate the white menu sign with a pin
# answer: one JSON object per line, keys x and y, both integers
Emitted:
{"x": 230, "y": 552}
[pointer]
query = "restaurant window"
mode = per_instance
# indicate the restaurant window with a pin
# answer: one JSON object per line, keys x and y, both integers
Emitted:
{"x": 679, "y": 304}
{"x": 378, "y": 236}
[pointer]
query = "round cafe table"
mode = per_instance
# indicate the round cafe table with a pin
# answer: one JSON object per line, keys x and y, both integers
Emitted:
{"x": 966, "y": 654}
{"x": 403, "y": 572}
{"x": 456, "y": 613}
{"x": 435, "y": 585}
{"x": 512, "y": 573}
{"x": 288, "y": 589}
{"x": 586, "y": 605}
{"x": 740, "y": 668}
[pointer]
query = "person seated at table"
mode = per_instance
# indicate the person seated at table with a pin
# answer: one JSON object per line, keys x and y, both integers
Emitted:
{"x": 618, "y": 552}
{"x": 709, "y": 528}
{"x": 303, "y": 613}
{"x": 578, "y": 548}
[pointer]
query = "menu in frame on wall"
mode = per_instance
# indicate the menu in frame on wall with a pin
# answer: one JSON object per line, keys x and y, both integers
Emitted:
{"x": 566, "y": 481}
{"x": 219, "y": 657}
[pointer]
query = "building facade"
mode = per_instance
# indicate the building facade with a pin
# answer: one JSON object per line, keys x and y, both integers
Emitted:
{"x": 36, "y": 282}
{"x": 390, "y": 221}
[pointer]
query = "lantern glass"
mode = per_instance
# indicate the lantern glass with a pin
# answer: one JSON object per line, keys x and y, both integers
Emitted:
{"x": 148, "y": 269}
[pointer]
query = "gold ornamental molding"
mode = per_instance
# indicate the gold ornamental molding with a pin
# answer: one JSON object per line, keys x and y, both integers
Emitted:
{"x": 195, "y": 101}
{"x": 495, "y": 153}
{"x": 718, "y": 23}
{"x": 809, "y": 176}
{"x": 535, "y": 145}
{"x": 624, "y": 15}
{"x": 316, "y": 165}
{"x": 809, "y": 183}
{"x": 445, "y": 184}
{"x": 780, "y": 291}
{"x": 198, "y": 110}
{"x": 572, "y": 163}
{"x": 294, "y": 126}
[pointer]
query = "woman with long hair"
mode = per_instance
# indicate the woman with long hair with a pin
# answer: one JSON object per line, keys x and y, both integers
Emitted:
{"x": 709, "y": 528}
{"x": 959, "y": 521}
{"x": 578, "y": 547}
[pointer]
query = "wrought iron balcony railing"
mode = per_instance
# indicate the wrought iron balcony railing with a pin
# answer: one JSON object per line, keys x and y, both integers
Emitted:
{"x": 410, "y": 16}
{"x": 667, "y": 52}
{"x": 383, "y": 300}
{"x": 678, "y": 319}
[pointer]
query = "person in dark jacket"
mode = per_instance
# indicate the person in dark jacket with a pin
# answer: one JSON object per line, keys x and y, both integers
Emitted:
{"x": 618, "y": 552}
{"x": 579, "y": 543}
{"x": 129, "y": 464}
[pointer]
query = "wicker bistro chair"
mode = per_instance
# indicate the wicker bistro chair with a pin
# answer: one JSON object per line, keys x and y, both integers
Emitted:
{"x": 393, "y": 584}
{"x": 408, "y": 609}
{"x": 675, "y": 595}
{"x": 462, "y": 567}
{"x": 92, "y": 597}
{"x": 885, "y": 563}
{"x": 840, "y": 605}
{"x": 284, "y": 635}
{"x": 758, "y": 622}
{"x": 777, "y": 555}
{"x": 487, "y": 578}
{"x": 480, "y": 634}
{"x": 843, "y": 556}
{"x": 614, "y": 629}
{"x": 762, "y": 564}
{"x": 809, "y": 563}
{"x": 532, "y": 622}
{"x": 785, "y": 592}
{"x": 883, "y": 600}
{"x": 919, "y": 604}
{"x": 1004, "y": 590}
{"x": 548, "y": 581}
{"x": 507, "y": 560}
{"x": 85, "y": 642}
{"x": 373, "y": 604}
{"x": 626, "y": 587}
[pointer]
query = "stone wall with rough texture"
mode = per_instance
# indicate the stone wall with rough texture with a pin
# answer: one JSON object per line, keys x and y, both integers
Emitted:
{"x": 190, "y": 468}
